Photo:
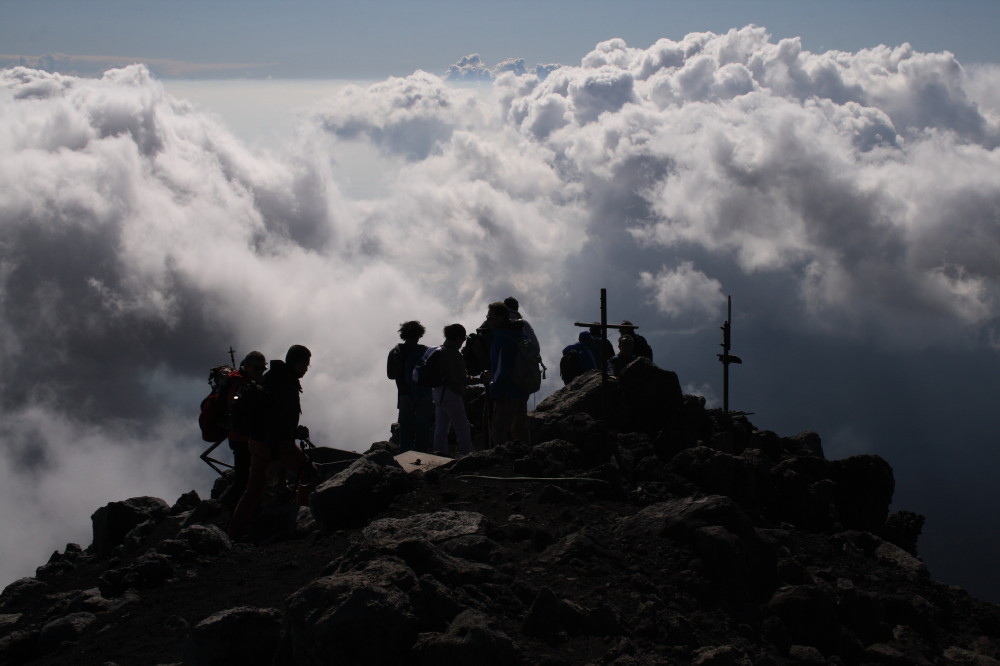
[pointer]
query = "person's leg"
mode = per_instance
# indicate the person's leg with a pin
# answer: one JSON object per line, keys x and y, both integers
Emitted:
{"x": 241, "y": 472}
{"x": 256, "y": 483}
{"x": 454, "y": 406}
{"x": 504, "y": 412}
{"x": 441, "y": 423}
{"x": 423, "y": 424}
{"x": 406, "y": 422}
{"x": 520, "y": 425}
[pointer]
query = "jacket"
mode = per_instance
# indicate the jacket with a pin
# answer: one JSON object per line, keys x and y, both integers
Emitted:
{"x": 503, "y": 353}
{"x": 399, "y": 366}
{"x": 453, "y": 366}
{"x": 281, "y": 403}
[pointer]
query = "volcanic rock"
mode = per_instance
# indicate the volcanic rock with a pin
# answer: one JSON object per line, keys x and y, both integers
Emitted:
{"x": 642, "y": 528}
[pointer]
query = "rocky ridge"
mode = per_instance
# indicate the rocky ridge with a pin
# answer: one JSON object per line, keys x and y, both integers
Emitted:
{"x": 641, "y": 529}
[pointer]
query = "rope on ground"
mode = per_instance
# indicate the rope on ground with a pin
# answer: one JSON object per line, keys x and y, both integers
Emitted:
{"x": 555, "y": 479}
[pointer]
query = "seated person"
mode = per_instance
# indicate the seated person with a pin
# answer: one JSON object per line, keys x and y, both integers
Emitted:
{"x": 625, "y": 355}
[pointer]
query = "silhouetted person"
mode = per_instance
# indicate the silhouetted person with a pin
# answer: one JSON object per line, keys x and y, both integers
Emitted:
{"x": 577, "y": 358}
{"x": 625, "y": 355}
{"x": 515, "y": 315}
{"x": 449, "y": 398}
{"x": 642, "y": 347}
{"x": 274, "y": 436}
{"x": 413, "y": 401}
{"x": 598, "y": 343}
{"x": 510, "y": 402}
{"x": 251, "y": 369}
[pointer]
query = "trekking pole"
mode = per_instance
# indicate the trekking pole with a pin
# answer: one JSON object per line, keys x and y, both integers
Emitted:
{"x": 212, "y": 462}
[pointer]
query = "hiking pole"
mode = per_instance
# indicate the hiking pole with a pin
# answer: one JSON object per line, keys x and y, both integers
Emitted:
{"x": 212, "y": 462}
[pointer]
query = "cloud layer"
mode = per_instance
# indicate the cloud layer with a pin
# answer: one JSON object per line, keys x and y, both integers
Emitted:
{"x": 848, "y": 201}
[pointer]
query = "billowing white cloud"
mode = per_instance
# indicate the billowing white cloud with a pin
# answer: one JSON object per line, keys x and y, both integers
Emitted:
{"x": 472, "y": 68}
{"x": 684, "y": 292}
{"x": 848, "y": 201}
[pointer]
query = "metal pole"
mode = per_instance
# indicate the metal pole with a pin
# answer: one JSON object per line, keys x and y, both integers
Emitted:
{"x": 726, "y": 330}
{"x": 725, "y": 356}
{"x": 604, "y": 361}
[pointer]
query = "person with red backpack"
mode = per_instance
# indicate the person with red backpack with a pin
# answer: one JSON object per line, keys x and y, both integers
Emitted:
{"x": 251, "y": 369}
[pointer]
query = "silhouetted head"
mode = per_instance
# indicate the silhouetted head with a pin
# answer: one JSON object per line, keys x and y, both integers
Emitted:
{"x": 626, "y": 344}
{"x": 253, "y": 365}
{"x": 585, "y": 336}
{"x": 626, "y": 326}
{"x": 454, "y": 332}
{"x": 297, "y": 359}
{"x": 595, "y": 331}
{"x": 511, "y": 303}
{"x": 411, "y": 331}
{"x": 497, "y": 315}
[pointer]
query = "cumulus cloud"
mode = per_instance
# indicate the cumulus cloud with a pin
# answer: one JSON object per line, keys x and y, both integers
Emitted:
{"x": 472, "y": 68}
{"x": 684, "y": 291}
{"x": 848, "y": 201}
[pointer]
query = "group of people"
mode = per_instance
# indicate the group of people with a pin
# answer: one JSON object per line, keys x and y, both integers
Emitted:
{"x": 427, "y": 415}
{"x": 264, "y": 409}
{"x": 264, "y": 406}
{"x": 586, "y": 353}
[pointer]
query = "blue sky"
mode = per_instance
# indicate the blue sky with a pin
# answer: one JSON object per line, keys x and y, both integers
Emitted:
{"x": 318, "y": 39}
{"x": 847, "y": 201}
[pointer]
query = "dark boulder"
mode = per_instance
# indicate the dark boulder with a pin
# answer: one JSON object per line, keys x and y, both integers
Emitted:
{"x": 356, "y": 617}
{"x": 809, "y": 615}
{"x": 355, "y": 494}
{"x": 651, "y": 397}
{"x": 471, "y": 638}
{"x": 186, "y": 502}
{"x": 20, "y": 591}
{"x": 865, "y": 485}
{"x": 66, "y": 629}
{"x": 115, "y": 520}
{"x": 435, "y": 527}
{"x": 146, "y": 571}
{"x": 679, "y": 518}
{"x": 243, "y": 635}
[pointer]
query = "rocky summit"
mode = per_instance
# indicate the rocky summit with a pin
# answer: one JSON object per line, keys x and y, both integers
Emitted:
{"x": 641, "y": 528}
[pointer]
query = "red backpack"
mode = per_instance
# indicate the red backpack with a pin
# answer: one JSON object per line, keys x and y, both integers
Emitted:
{"x": 214, "y": 417}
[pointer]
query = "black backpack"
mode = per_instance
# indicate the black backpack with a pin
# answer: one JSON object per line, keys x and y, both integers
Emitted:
{"x": 247, "y": 412}
{"x": 400, "y": 364}
{"x": 570, "y": 366}
{"x": 428, "y": 371}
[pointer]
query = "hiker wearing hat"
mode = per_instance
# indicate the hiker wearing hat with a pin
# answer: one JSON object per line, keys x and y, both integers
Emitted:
{"x": 642, "y": 347}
